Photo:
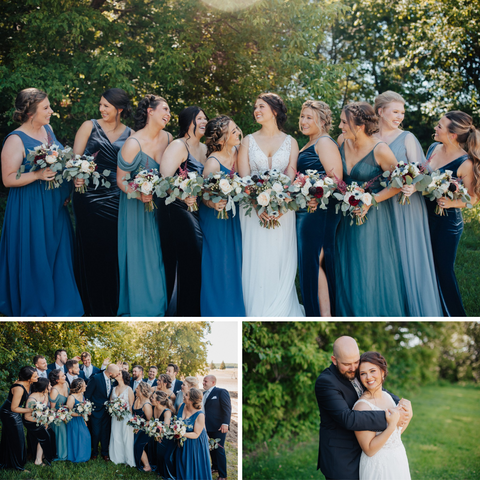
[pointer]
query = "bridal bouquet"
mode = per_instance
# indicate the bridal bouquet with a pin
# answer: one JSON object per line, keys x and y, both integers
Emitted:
{"x": 353, "y": 197}
{"x": 185, "y": 184}
{"x": 406, "y": 174}
{"x": 137, "y": 423}
{"x": 176, "y": 430}
{"x": 62, "y": 415}
{"x": 267, "y": 193}
{"x": 84, "y": 167}
{"x": 117, "y": 408}
{"x": 148, "y": 182}
{"x": 41, "y": 413}
{"x": 445, "y": 185}
{"x": 311, "y": 185}
{"x": 224, "y": 186}
{"x": 154, "y": 428}
{"x": 83, "y": 408}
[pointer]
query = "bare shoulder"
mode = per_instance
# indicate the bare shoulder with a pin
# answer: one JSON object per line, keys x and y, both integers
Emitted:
{"x": 14, "y": 141}
{"x": 340, "y": 139}
{"x": 361, "y": 406}
{"x": 86, "y": 127}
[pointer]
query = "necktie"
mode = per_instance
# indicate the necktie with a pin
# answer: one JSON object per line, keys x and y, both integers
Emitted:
{"x": 109, "y": 386}
{"x": 357, "y": 387}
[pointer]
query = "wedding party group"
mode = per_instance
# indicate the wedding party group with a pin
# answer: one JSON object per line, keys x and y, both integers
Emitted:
{"x": 361, "y": 423}
{"x": 178, "y": 227}
{"x": 155, "y": 423}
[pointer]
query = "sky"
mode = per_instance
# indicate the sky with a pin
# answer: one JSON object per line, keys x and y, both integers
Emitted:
{"x": 224, "y": 342}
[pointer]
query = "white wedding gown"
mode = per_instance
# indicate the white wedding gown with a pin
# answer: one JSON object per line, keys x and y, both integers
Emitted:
{"x": 121, "y": 436}
{"x": 390, "y": 462}
{"x": 269, "y": 263}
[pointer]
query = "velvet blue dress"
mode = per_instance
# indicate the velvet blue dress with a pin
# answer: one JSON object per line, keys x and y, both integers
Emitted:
{"x": 193, "y": 459}
{"x": 61, "y": 438}
{"x": 221, "y": 294}
{"x": 36, "y": 249}
{"x": 141, "y": 438}
{"x": 445, "y": 234}
{"x": 142, "y": 275}
{"x": 413, "y": 234}
{"x": 368, "y": 270}
{"x": 315, "y": 231}
{"x": 78, "y": 440}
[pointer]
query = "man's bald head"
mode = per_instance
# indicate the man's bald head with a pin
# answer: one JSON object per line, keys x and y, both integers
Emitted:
{"x": 209, "y": 381}
{"x": 346, "y": 356}
{"x": 113, "y": 370}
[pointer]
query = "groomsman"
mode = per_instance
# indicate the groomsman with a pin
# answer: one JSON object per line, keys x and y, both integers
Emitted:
{"x": 41, "y": 366}
{"x": 88, "y": 369}
{"x": 98, "y": 391}
{"x": 73, "y": 371}
{"x": 172, "y": 371}
{"x": 137, "y": 377}
{"x": 125, "y": 366}
{"x": 218, "y": 411}
{"x": 152, "y": 374}
{"x": 60, "y": 361}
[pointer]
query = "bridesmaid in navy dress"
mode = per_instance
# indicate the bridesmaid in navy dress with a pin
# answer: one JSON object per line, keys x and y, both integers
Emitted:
{"x": 142, "y": 275}
{"x": 193, "y": 459}
{"x": 180, "y": 230}
{"x": 221, "y": 294}
{"x": 457, "y": 149}
{"x": 13, "y": 451}
{"x": 142, "y": 408}
{"x": 316, "y": 230}
{"x": 36, "y": 248}
{"x": 96, "y": 210}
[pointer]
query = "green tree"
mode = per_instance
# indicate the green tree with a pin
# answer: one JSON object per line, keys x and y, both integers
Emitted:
{"x": 212, "y": 365}
{"x": 222, "y": 366}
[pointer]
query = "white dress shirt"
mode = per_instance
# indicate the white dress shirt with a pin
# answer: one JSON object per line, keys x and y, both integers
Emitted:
{"x": 108, "y": 383}
{"x": 42, "y": 373}
{"x": 71, "y": 378}
{"x": 88, "y": 371}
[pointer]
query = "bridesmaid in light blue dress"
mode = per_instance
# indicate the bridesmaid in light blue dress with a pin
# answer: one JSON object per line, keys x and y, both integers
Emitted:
{"x": 78, "y": 435}
{"x": 58, "y": 398}
{"x": 410, "y": 220}
{"x": 221, "y": 292}
{"x": 369, "y": 275}
{"x": 142, "y": 275}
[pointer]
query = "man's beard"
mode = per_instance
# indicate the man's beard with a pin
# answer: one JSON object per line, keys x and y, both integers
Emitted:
{"x": 348, "y": 375}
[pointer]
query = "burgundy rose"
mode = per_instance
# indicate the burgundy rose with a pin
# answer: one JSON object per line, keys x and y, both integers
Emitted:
{"x": 317, "y": 192}
{"x": 452, "y": 187}
{"x": 353, "y": 201}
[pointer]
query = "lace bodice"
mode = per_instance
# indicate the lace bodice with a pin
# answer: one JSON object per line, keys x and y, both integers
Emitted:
{"x": 123, "y": 395}
{"x": 259, "y": 161}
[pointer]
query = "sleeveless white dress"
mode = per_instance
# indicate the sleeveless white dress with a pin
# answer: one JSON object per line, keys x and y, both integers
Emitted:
{"x": 121, "y": 436}
{"x": 390, "y": 462}
{"x": 269, "y": 263}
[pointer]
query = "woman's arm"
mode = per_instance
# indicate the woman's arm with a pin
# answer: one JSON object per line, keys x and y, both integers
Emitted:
{"x": 167, "y": 417}
{"x": 70, "y": 404}
{"x": 81, "y": 138}
{"x": 292, "y": 162}
{"x": 330, "y": 157}
{"x": 148, "y": 410}
{"x": 198, "y": 427}
{"x": 242, "y": 159}
{"x": 211, "y": 166}
{"x": 53, "y": 396}
{"x": 131, "y": 398}
{"x": 173, "y": 156}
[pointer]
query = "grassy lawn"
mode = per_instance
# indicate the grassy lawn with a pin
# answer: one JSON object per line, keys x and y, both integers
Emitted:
{"x": 99, "y": 470}
{"x": 442, "y": 441}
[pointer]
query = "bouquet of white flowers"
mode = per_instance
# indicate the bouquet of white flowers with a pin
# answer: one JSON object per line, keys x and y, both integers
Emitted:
{"x": 176, "y": 430}
{"x": 83, "y": 408}
{"x": 137, "y": 423}
{"x": 353, "y": 197}
{"x": 84, "y": 167}
{"x": 62, "y": 415}
{"x": 41, "y": 413}
{"x": 117, "y": 408}
{"x": 154, "y": 428}
{"x": 309, "y": 185}
{"x": 185, "y": 184}
{"x": 148, "y": 182}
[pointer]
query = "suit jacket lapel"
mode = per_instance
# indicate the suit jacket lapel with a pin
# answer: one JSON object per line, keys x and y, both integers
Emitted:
{"x": 210, "y": 395}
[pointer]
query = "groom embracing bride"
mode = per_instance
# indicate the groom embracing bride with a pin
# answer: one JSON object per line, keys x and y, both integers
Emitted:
{"x": 361, "y": 422}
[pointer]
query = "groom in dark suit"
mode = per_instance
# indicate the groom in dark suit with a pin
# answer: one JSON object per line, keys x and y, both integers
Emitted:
{"x": 60, "y": 361}
{"x": 98, "y": 391}
{"x": 337, "y": 390}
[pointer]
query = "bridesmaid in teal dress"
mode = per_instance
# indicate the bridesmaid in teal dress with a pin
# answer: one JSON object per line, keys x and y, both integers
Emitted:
{"x": 316, "y": 230}
{"x": 369, "y": 274}
{"x": 142, "y": 274}
{"x": 410, "y": 220}
{"x": 79, "y": 439}
{"x": 36, "y": 248}
{"x": 221, "y": 293}
{"x": 58, "y": 398}
{"x": 457, "y": 149}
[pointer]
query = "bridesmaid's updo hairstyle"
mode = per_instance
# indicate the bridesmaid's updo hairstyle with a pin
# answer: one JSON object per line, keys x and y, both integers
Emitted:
{"x": 26, "y": 103}
{"x": 322, "y": 113}
{"x": 125, "y": 377}
{"x": 54, "y": 376}
{"x": 119, "y": 99}
{"x": 186, "y": 117}
{"x": 361, "y": 113}
{"x": 192, "y": 382}
{"x": 216, "y": 132}
{"x": 162, "y": 399}
{"x": 376, "y": 359}
{"x": 39, "y": 386}
{"x": 77, "y": 385}
{"x": 278, "y": 107}
{"x": 468, "y": 136}
{"x": 141, "y": 114}
{"x": 196, "y": 397}
{"x": 145, "y": 389}
{"x": 26, "y": 373}
{"x": 166, "y": 379}
{"x": 386, "y": 98}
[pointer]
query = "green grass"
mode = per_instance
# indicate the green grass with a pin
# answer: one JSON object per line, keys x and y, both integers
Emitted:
{"x": 99, "y": 470}
{"x": 442, "y": 441}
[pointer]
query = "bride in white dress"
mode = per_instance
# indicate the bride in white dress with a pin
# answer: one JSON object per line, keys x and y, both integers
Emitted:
{"x": 383, "y": 454}
{"x": 121, "y": 436}
{"x": 269, "y": 263}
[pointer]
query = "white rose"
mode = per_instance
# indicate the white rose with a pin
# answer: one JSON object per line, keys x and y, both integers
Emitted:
{"x": 69, "y": 164}
{"x": 319, "y": 183}
{"x": 85, "y": 166}
{"x": 238, "y": 190}
{"x": 306, "y": 187}
{"x": 444, "y": 187}
{"x": 367, "y": 199}
{"x": 50, "y": 159}
{"x": 177, "y": 181}
{"x": 146, "y": 188}
{"x": 184, "y": 184}
{"x": 263, "y": 199}
{"x": 155, "y": 178}
{"x": 347, "y": 197}
{"x": 328, "y": 181}
{"x": 277, "y": 187}
{"x": 225, "y": 186}
{"x": 192, "y": 175}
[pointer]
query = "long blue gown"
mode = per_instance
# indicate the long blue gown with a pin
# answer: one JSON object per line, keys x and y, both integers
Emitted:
{"x": 61, "y": 438}
{"x": 193, "y": 459}
{"x": 411, "y": 229}
{"x": 315, "y": 231}
{"x": 141, "y": 439}
{"x": 142, "y": 275}
{"x": 221, "y": 293}
{"x": 445, "y": 234}
{"x": 36, "y": 249}
{"x": 78, "y": 440}
{"x": 369, "y": 276}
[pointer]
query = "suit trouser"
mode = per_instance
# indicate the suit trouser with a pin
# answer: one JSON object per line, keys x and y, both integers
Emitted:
{"x": 100, "y": 426}
{"x": 219, "y": 459}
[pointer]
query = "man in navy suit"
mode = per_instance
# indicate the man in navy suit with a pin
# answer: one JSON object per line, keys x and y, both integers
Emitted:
{"x": 88, "y": 369}
{"x": 152, "y": 374}
{"x": 41, "y": 366}
{"x": 98, "y": 391}
{"x": 60, "y": 361}
{"x": 73, "y": 371}
{"x": 218, "y": 411}
{"x": 337, "y": 390}
{"x": 137, "y": 377}
{"x": 172, "y": 372}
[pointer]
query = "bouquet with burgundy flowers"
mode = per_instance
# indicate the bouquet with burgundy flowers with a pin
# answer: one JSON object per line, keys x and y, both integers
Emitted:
{"x": 176, "y": 430}
{"x": 117, "y": 408}
{"x": 185, "y": 184}
{"x": 137, "y": 423}
{"x": 154, "y": 428}
{"x": 83, "y": 409}
{"x": 84, "y": 167}
{"x": 41, "y": 413}
{"x": 62, "y": 415}
{"x": 311, "y": 185}
{"x": 147, "y": 182}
